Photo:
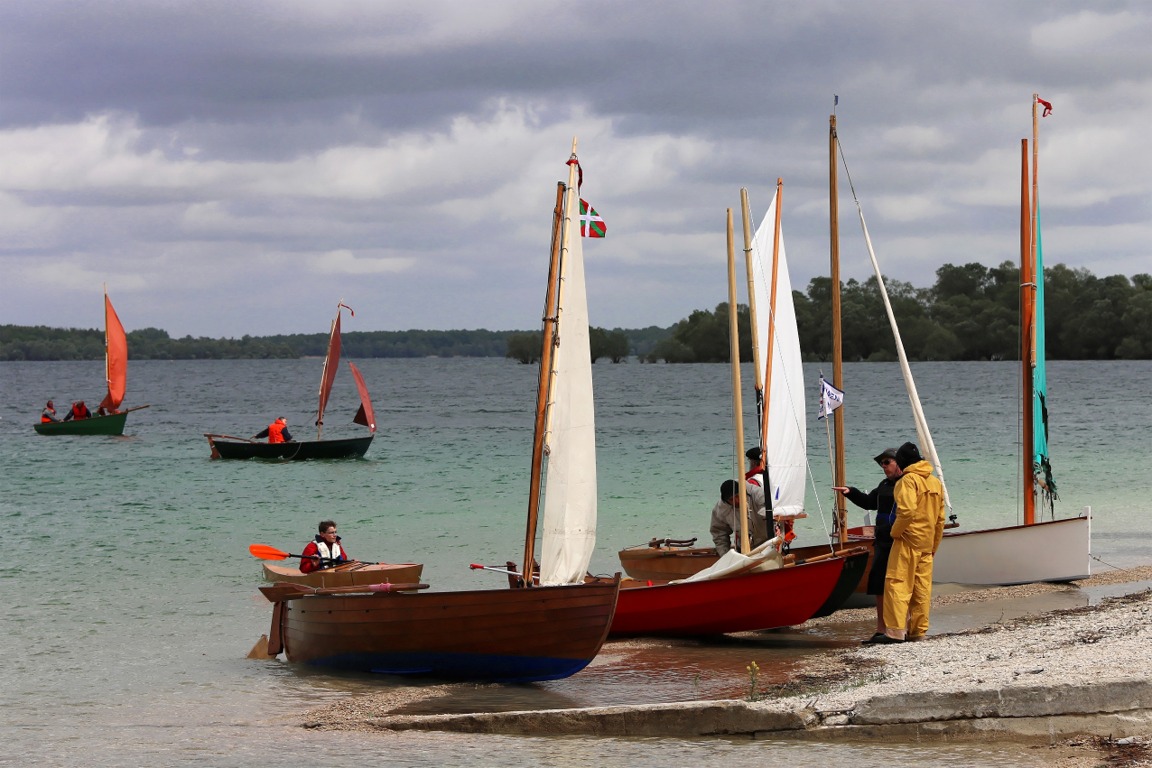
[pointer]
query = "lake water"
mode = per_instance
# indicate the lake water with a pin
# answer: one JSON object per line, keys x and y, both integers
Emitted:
{"x": 130, "y": 599}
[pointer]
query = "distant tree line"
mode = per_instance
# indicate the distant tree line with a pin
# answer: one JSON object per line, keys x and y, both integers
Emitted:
{"x": 971, "y": 313}
{"x": 42, "y": 343}
{"x": 612, "y": 345}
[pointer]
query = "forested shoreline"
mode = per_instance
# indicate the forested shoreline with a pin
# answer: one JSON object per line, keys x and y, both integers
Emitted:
{"x": 971, "y": 313}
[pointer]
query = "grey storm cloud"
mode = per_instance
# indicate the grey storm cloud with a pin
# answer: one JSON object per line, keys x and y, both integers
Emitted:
{"x": 214, "y": 163}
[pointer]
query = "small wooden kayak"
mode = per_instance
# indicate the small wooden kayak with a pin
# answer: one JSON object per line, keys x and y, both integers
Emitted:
{"x": 347, "y": 575}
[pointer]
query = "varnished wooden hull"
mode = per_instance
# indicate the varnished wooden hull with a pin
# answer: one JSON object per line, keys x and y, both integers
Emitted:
{"x": 344, "y": 448}
{"x": 507, "y": 635}
{"x": 353, "y": 574}
{"x": 666, "y": 563}
{"x": 112, "y": 424}
{"x": 779, "y": 598}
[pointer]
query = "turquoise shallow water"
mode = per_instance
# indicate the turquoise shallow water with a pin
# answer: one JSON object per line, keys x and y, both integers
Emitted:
{"x": 130, "y": 600}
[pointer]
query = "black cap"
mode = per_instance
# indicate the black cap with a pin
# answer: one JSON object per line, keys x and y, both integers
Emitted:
{"x": 728, "y": 489}
{"x": 754, "y": 453}
{"x": 887, "y": 453}
{"x": 907, "y": 455}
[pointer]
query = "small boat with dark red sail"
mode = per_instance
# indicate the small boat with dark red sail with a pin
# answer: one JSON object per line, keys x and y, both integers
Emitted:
{"x": 231, "y": 447}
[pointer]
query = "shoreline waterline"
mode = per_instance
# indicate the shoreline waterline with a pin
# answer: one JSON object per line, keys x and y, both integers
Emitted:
{"x": 1067, "y": 676}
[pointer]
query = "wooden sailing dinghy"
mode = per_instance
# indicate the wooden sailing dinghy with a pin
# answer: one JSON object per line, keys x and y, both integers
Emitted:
{"x": 230, "y": 447}
{"x": 346, "y": 575}
{"x": 768, "y": 591}
{"x": 780, "y": 414}
{"x": 1056, "y": 549}
{"x": 529, "y": 631}
{"x": 116, "y": 374}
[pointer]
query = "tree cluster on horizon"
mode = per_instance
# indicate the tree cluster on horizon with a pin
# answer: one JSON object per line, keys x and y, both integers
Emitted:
{"x": 971, "y": 313}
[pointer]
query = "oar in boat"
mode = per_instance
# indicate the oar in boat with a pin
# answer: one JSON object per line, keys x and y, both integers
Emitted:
{"x": 210, "y": 435}
{"x": 284, "y": 590}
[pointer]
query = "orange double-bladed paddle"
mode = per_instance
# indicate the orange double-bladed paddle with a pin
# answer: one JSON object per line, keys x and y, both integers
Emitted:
{"x": 265, "y": 552}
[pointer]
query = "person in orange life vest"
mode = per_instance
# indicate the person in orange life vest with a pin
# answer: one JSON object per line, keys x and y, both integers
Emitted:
{"x": 276, "y": 432}
{"x": 48, "y": 414}
{"x": 79, "y": 411}
{"x": 324, "y": 551}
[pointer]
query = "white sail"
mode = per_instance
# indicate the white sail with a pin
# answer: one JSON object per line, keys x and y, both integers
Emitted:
{"x": 569, "y": 524}
{"x": 787, "y": 435}
{"x": 923, "y": 435}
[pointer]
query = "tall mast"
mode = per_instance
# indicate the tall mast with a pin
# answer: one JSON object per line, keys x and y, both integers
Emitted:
{"x": 1027, "y": 321}
{"x": 548, "y": 344}
{"x": 761, "y": 400}
{"x": 837, "y": 350}
{"x": 737, "y": 402}
{"x": 770, "y": 349}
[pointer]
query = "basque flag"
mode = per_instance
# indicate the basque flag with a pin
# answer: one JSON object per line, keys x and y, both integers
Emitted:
{"x": 591, "y": 225}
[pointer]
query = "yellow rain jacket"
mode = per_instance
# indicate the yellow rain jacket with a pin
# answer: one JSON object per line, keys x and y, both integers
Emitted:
{"x": 919, "y": 508}
{"x": 916, "y": 534}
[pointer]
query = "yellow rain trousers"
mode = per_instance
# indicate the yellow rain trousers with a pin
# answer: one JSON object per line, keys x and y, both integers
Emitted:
{"x": 916, "y": 534}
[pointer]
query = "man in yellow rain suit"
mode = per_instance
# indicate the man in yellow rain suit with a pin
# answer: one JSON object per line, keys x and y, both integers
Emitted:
{"x": 916, "y": 535}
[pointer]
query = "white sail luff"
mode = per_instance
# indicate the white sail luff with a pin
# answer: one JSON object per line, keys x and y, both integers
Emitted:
{"x": 787, "y": 434}
{"x": 569, "y": 522}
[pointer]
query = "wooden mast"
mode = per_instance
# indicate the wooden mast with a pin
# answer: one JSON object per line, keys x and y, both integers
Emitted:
{"x": 771, "y": 326}
{"x": 1027, "y": 323}
{"x": 737, "y": 403}
{"x": 761, "y": 400}
{"x": 837, "y": 349}
{"x": 548, "y": 344}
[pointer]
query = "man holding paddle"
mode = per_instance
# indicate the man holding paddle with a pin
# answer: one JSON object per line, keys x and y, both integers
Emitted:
{"x": 324, "y": 551}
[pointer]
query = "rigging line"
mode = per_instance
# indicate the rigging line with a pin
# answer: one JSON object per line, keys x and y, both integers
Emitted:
{"x": 919, "y": 419}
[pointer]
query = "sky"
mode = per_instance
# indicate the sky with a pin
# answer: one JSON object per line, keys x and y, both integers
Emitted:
{"x": 237, "y": 168}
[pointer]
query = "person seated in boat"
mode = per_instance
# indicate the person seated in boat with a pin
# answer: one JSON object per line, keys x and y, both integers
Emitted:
{"x": 49, "y": 413}
{"x": 79, "y": 411}
{"x": 883, "y": 501}
{"x": 726, "y": 516}
{"x": 276, "y": 432}
{"x": 325, "y": 551}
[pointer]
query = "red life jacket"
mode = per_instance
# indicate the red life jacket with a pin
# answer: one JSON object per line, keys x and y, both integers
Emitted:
{"x": 276, "y": 431}
{"x": 80, "y": 411}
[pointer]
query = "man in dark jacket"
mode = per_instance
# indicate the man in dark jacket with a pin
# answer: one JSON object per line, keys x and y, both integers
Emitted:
{"x": 880, "y": 499}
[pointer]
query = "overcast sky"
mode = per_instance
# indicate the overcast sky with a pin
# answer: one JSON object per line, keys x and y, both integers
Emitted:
{"x": 231, "y": 168}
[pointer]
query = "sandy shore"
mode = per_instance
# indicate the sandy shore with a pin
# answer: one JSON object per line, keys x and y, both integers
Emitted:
{"x": 1075, "y": 677}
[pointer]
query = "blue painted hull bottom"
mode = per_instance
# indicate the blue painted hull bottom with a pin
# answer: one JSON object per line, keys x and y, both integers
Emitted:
{"x": 493, "y": 635}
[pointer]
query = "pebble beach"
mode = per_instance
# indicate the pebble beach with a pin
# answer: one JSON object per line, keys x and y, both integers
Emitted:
{"x": 1075, "y": 681}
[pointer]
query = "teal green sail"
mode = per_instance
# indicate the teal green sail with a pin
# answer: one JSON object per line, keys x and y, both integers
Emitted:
{"x": 1040, "y": 385}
